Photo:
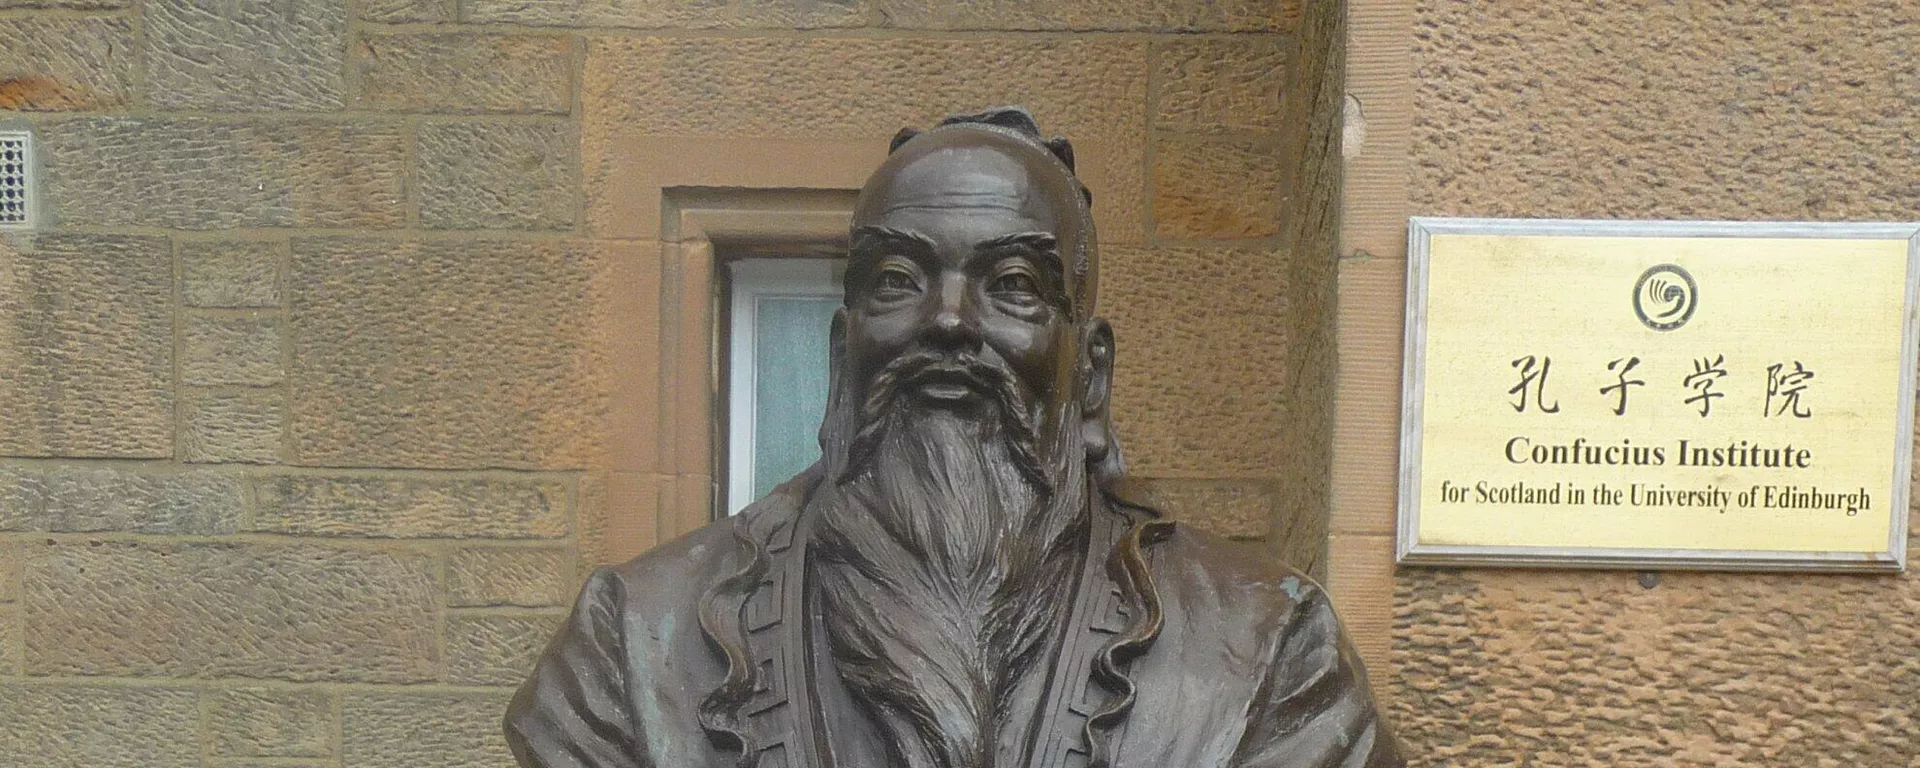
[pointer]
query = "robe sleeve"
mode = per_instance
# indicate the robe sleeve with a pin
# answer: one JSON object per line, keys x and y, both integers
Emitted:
{"x": 1314, "y": 709}
{"x": 574, "y": 711}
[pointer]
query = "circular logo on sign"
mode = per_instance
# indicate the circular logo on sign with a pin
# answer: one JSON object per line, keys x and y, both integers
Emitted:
{"x": 1664, "y": 297}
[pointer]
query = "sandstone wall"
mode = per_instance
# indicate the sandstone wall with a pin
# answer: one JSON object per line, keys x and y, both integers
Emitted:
{"x": 1742, "y": 110}
{"x": 336, "y": 355}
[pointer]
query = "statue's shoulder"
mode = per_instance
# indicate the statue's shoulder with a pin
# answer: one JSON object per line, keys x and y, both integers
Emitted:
{"x": 677, "y": 572}
{"x": 1233, "y": 576}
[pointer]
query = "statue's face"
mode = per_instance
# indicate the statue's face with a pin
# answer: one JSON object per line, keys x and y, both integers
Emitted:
{"x": 958, "y": 251}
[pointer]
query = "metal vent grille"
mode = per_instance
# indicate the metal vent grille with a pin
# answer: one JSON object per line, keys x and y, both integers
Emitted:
{"x": 14, "y": 178}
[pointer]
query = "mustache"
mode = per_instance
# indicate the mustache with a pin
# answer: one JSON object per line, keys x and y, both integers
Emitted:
{"x": 886, "y": 398}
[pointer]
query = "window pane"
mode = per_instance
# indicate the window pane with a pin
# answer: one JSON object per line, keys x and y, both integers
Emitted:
{"x": 790, "y": 385}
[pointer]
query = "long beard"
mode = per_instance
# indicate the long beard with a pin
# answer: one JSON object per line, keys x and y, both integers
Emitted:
{"x": 945, "y": 556}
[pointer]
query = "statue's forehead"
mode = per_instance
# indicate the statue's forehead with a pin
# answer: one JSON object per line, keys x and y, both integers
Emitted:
{"x": 962, "y": 178}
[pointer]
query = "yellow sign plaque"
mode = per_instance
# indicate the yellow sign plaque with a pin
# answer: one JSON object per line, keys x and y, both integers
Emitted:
{"x": 1722, "y": 395}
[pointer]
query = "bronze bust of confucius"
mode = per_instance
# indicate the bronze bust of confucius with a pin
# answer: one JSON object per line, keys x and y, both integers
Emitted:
{"x": 956, "y": 584}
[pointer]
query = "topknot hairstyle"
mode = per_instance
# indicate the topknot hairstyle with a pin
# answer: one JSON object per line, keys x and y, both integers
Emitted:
{"x": 1015, "y": 121}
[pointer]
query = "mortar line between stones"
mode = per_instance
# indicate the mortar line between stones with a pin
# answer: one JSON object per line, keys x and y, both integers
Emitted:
{"x": 422, "y": 545}
{"x": 394, "y": 235}
{"x": 283, "y": 278}
{"x": 576, "y": 111}
{"x": 217, "y": 683}
{"x": 177, "y": 299}
{"x": 834, "y": 33}
{"x": 498, "y": 474}
{"x": 1149, "y": 225}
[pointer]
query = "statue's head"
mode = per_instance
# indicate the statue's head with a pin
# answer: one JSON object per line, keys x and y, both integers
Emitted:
{"x": 971, "y": 285}
{"x": 967, "y": 416}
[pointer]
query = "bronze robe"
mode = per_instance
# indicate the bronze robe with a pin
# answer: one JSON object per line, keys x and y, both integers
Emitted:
{"x": 1249, "y": 669}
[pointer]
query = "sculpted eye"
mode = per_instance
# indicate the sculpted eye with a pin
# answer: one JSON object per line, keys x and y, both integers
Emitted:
{"x": 894, "y": 282}
{"x": 1018, "y": 286}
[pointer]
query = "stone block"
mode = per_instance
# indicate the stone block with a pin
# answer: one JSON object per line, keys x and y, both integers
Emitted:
{"x": 447, "y": 354}
{"x": 231, "y": 273}
{"x": 415, "y": 506}
{"x": 424, "y": 730}
{"x": 88, "y": 352}
{"x": 1604, "y": 112}
{"x": 9, "y": 646}
{"x": 1219, "y": 318}
{"x": 496, "y": 176}
{"x": 299, "y": 613}
{"x": 673, "y": 14}
{"x": 242, "y": 350}
{"x": 496, "y": 649}
{"x": 85, "y": 499}
{"x": 65, "y": 63}
{"x": 1217, "y": 188}
{"x": 1236, "y": 509}
{"x": 440, "y": 73}
{"x": 1094, "y": 15}
{"x": 1210, "y": 84}
{"x": 104, "y": 171}
{"x": 270, "y": 722}
{"x": 244, "y": 426}
{"x": 487, "y": 576}
{"x": 236, "y": 55}
{"x": 68, "y": 5}
{"x": 9, "y": 575}
{"x": 1090, "y": 89}
{"x": 99, "y": 726}
{"x": 403, "y": 11}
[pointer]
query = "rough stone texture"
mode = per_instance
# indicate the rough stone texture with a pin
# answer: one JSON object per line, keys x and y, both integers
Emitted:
{"x": 86, "y": 341}
{"x": 496, "y": 649}
{"x": 451, "y": 355}
{"x": 1644, "y": 110}
{"x": 81, "y": 498}
{"x": 429, "y": 506}
{"x": 243, "y": 426}
{"x": 227, "y": 610}
{"x": 1236, "y": 509}
{"x": 231, "y": 350}
{"x": 442, "y": 73}
{"x": 99, "y": 727}
{"x": 403, "y": 11}
{"x": 1592, "y": 669}
{"x": 496, "y": 176}
{"x": 9, "y": 646}
{"x": 1093, "y": 90}
{"x": 231, "y": 273}
{"x": 58, "y": 63}
{"x": 1108, "y": 15}
{"x": 1217, "y": 189}
{"x": 218, "y": 175}
{"x": 9, "y": 576}
{"x": 245, "y": 54}
{"x": 270, "y": 722}
{"x": 72, "y": 5}
{"x": 685, "y": 14}
{"x": 1220, "y": 84}
{"x": 425, "y": 730}
{"x": 501, "y": 576}
{"x": 1218, "y": 317}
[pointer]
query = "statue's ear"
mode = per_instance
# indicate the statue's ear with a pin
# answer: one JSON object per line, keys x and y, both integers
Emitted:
{"x": 1096, "y": 422}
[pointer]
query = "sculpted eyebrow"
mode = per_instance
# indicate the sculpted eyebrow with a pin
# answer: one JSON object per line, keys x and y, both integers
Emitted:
{"x": 864, "y": 235}
{"x": 1042, "y": 246}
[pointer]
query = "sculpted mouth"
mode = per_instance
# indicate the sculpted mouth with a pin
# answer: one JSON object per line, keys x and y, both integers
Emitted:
{"x": 947, "y": 384}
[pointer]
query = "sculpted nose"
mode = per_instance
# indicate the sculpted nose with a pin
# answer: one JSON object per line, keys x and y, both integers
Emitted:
{"x": 955, "y": 324}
